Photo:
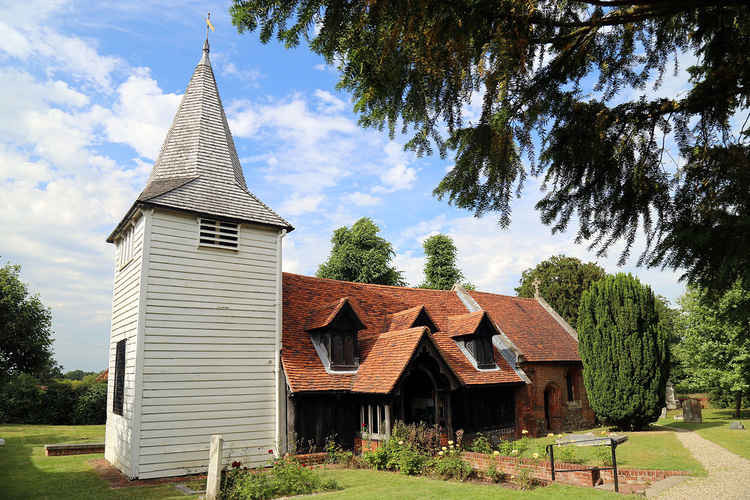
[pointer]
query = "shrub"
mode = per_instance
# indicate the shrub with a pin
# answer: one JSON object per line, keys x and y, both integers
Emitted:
{"x": 567, "y": 454}
{"x": 495, "y": 475}
{"x": 506, "y": 447}
{"x": 410, "y": 461}
{"x": 624, "y": 350}
{"x": 481, "y": 444}
{"x": 287, "y": 477}
{"x": 603, "y": 455}
{"x": 452, "y": 466}
{"x": 524, "y": 480}
{"x": 421, "y": 437}
{"x": 91, "y": 407}
{"x": 23, "y": 400}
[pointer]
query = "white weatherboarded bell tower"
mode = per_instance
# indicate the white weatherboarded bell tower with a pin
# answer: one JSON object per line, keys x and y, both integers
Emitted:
{"x": 196, "y": 308}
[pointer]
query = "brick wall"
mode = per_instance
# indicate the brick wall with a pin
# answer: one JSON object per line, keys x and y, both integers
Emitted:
{"x": 312, "y": 458}
{"x": 363, "y": 445}
{"x": 72, "y": 449}
{"x": 564, "y": 415}
{"x": 540, "y": 469}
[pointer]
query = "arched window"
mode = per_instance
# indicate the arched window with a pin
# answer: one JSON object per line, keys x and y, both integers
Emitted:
{"x": 570, "y": 383}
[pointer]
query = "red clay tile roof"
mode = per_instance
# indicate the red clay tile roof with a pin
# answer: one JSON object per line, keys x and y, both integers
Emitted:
{"x": 466, "y": 372}
{"x": 405, "y": 319}
{"x": 384, "y": 358}
{"x": 465, "y": 324}
{"x": 323, "y": 316}
{"x": 530, "y": 327}
{"x": 385, "y": 310}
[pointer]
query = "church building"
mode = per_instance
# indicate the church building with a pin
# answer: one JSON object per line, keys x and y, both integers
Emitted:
{"x": 209, "y": 336}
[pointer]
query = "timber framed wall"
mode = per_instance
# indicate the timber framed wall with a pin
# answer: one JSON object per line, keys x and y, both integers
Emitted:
{"x": 126, "y": 322}
{"x": 210, "y": 348}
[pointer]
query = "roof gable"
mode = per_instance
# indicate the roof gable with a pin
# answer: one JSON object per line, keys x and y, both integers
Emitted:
{"x": 409, "y": 318}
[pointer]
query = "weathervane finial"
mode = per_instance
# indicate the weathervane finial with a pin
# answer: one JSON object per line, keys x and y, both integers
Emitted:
{"x": 208, "y": 26}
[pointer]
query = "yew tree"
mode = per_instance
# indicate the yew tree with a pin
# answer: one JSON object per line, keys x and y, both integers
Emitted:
{"x": 625, "y": 351}
{"x": 563, "y": 88}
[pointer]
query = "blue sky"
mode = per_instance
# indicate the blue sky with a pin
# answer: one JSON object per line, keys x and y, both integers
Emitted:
{"x": 88, "y": 92}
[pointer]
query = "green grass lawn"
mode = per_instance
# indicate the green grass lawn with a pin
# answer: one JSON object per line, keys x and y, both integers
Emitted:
{"x": 26, "y": 473}
{"x": 715, "y": 428}
{"x": 367, "y": 484}
{"x": 643, "y": 450}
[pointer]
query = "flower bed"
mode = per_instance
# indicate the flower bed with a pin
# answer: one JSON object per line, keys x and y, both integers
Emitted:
{"x": 286, "y": 477}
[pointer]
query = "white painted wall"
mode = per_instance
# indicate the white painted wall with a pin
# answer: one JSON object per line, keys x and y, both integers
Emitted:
{"x": 210, "y": 348}
{"x": 125, "y": 321}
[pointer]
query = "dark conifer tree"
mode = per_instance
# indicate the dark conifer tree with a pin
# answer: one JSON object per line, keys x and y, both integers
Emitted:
{"x": 624, "y": 351}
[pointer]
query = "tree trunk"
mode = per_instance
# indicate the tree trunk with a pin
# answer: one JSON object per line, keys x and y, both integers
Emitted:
{"x": 737, "y": 404}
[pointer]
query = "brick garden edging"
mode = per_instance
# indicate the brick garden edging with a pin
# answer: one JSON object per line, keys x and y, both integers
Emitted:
{"x": 541, "y": 470}
{"x": 56, "y": 450}
{"x": 308, "y": 459}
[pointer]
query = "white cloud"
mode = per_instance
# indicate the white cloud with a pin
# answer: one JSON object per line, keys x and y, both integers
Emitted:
{"x": 142, "y": 114}
{"x": 250, "y": 76}
{"x": 298, "y": 205}
{"x": 329, "y": 103}
{"x": 396, "y": 178}
{"x": 363, "y": 199}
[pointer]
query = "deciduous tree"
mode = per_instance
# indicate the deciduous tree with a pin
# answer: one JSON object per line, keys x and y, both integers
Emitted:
{"x": 624, "y": 351}
{"x": 360, "y": 255}
{"x": 25, "y": 329}
{"x": 562, "y": 87}
{"x": 714, "y": 347}
{"x": 561, "y": 282}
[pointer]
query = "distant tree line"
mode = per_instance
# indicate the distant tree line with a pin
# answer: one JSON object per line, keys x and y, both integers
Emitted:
{"x": 33, "y": 389}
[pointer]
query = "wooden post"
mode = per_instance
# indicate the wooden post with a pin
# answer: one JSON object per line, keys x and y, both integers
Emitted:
{"x": 369, "y": 421}
{"x": 213, "y": 482}
{"x": 388, "y": 421}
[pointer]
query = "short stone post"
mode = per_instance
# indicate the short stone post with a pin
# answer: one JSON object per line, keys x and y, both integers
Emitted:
{"x": 213, "y": 483}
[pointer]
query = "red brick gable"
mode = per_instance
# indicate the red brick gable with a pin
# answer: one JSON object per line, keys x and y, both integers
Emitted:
{"x": 387, "y": 342}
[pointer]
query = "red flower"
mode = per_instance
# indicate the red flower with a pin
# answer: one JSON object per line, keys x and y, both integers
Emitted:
{"x": 236, "y": 464}
{"x": 270, "y": 452}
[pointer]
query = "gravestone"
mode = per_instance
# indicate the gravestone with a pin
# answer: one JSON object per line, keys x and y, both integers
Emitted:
{"x": 663, "y": 413}
{"x": 671, "y": 400}
{"x": 737, "y": 426}
{"x": 691, "y": 411}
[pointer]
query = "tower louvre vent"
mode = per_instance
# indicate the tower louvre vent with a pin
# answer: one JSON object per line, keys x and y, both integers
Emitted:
{"x": 219, "y": 234}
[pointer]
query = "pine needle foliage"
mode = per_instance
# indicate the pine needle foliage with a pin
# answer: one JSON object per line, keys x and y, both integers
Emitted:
{"x": 624, "y": 352}
{"x": 565, "y": 95}
{"x": 359, "y": 254}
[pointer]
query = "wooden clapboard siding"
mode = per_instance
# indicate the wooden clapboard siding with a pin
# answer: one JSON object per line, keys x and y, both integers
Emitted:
{"x": 126, "y": 296}
{"x": 210, "y": 347}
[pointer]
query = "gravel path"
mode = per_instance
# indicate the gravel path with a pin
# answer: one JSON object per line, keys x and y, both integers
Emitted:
{"x": 728, "y": 474}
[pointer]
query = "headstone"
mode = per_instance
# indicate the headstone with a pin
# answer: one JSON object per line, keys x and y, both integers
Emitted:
{"x": 737, "y": 426}
{"x": 663, "y": 413}
{"x": 691, "y": 411}
{"x": 213, "y": 482}
{"x": 671, "y": 401}
{"x": 2, "y": 442}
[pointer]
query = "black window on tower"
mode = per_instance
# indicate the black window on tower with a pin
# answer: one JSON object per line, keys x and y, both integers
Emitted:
{"x": 119, "y": 388}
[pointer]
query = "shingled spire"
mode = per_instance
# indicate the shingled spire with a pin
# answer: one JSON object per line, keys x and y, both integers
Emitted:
{"x": 198, "y": 169}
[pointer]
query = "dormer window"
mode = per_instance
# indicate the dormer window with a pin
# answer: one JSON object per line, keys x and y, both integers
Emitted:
{"x": 473, "y": 334}
{"x": 333, "y": 330}
{"x": 481, "y": 348}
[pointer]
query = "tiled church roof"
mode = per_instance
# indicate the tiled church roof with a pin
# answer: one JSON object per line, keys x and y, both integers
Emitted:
{"x": 198, "y": 169}
{"x": 387, "y": 343}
